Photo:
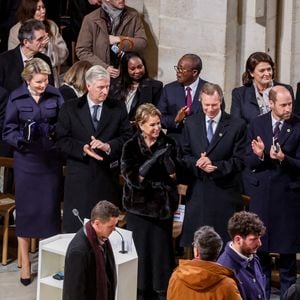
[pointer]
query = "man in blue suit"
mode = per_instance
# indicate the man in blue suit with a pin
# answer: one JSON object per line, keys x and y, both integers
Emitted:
{"x": 179, "y": 98}
{"x": 273, "y": 156}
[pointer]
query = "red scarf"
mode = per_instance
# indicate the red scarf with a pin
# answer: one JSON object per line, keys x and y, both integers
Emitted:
{"x": 101, "y": 276}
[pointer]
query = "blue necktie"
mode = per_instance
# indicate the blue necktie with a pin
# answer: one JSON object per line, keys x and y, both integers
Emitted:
{"x": 94, "y": 116}
{"x": 276, "y": 129}
{"x": 210, "y": 132}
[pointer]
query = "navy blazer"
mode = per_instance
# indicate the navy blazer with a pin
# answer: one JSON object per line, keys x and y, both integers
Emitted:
{"x": 172, "y": 100}
{"x": 11, "y": 67}
{"x": 244, "y": 104}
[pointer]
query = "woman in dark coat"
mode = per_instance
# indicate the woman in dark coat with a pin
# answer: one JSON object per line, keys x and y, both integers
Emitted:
{"x": 29, "y": 124}
{"x": 252, "y": 98}
{"x": 150, "y": 198}
{"x": 134, "y": 87}
{"x": 74, "y": 85}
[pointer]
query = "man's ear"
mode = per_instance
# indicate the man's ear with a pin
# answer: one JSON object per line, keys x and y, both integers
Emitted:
{"x": 196, "y": 253}
{"x": 237, "y": 239}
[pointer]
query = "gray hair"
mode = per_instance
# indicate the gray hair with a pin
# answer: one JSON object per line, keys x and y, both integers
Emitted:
{"x": 208, "y": 242}
{"x": 96, "y": 73}
{"x": 27, "y": 29}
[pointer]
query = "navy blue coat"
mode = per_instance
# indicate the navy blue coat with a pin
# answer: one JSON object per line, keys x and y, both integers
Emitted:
{"x": 37, "y": 165}
{"x": 244, "y": 104}
{"x": 212, "y": 198}
{"x": 251, "y": 279}
{"x": 274, "y": 186}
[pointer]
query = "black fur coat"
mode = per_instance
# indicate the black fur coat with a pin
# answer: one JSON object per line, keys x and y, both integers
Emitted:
{"x": 156, "y": 196}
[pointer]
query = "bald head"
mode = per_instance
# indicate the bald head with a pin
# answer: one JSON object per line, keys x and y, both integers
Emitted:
{"x": 281, "y": 102}
{"x": 279, "y": 89}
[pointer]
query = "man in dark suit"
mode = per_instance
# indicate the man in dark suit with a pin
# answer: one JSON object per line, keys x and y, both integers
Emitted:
{"x": 89, "y": 262}
{"x": 179, "y": 98}
{"x": 31, "y": 34}
{"x": 213, "y": 149}
{"x": 91, "y": 131}
{"x": 273, "y": 155}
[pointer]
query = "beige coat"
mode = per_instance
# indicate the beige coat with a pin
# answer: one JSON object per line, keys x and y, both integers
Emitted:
{"x": 93, "y": 40}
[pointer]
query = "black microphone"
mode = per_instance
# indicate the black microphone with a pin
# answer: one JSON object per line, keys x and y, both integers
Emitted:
{"x": 76, "y": 214}
{"x": 123, "y": 251}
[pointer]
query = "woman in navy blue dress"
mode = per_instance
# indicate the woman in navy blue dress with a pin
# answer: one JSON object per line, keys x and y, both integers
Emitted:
{"x": 30, "y": 120}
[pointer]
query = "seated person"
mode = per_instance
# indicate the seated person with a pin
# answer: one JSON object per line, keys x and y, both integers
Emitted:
{"x": 202, "y": 278}
{"x": 245, "y": 230}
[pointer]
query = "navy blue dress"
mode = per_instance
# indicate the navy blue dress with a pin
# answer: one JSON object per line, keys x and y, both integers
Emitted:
{"x": 37, "y": 165}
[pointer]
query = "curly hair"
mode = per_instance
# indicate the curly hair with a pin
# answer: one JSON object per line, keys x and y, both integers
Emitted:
{"x": 244, "y": 223}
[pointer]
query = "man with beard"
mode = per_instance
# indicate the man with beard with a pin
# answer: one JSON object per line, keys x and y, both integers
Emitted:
{"x": 245, "y": 229}
{"x": 273, "y": 156}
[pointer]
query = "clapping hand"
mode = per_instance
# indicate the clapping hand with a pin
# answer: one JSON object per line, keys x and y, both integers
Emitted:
{"x": 205, "y": 164}
{"x": 258, "y": 147}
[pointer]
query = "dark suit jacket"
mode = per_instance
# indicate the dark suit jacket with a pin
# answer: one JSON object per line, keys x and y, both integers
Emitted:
{"x": 244, "y": 104}
{"x": 212, "y": 198}
{"x": 88, "y": 180}
{"x": 274, "y": 186}
{"x": 11, "y": 67}
{"x": 173, "y": 99}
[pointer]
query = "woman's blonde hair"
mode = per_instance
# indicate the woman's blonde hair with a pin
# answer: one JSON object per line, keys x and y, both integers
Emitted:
{"x": 35, "y": 66}
{"x": 75, "y": 75}
{"x": 145, "y": 111}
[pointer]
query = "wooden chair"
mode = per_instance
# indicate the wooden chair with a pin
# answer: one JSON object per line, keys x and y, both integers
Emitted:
{"x": 7, "y": 205}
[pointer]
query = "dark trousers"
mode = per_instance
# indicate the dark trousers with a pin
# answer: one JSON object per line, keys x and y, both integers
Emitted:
{"x": 287, "y": 271}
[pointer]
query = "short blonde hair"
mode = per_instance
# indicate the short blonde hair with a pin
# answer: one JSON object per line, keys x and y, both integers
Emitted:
{"x": 144, "y": 111}
{"x": 75, "y": 75}
{"x": 35, "y": 66}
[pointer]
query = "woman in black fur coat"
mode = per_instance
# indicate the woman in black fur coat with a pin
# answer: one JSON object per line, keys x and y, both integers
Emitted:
{"x": 150, "y": 197}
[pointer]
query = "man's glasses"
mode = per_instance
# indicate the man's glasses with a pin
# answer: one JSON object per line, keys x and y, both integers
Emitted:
{"x": 181, "y": 70}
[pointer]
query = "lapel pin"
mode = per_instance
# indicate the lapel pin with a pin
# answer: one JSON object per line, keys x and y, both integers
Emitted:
{"x": 288, "y": 130}
{"x": 220, "y": 134}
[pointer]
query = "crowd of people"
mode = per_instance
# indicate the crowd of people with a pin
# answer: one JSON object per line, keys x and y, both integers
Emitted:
{"x": 107, "y": 118}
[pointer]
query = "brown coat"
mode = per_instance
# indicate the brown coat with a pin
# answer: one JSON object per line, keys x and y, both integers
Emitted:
{"x": 202, "y": 280}
{"x": 93, "y": 41}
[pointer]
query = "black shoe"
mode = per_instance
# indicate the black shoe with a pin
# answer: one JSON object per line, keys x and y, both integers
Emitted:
{"x": 25, "y": 281}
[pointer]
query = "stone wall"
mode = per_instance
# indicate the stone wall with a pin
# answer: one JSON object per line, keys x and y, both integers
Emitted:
{"x": 223, "y": 33}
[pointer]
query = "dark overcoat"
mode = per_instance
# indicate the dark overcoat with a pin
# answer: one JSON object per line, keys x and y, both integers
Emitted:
{"x": 88, "y": 180}
{"x": 80, "y": 270}
{"x": 275, "y": 186}
{"x": 212, "y": 198}
{"x": 244, "y": 104}
{"x": 37, "y": 165}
